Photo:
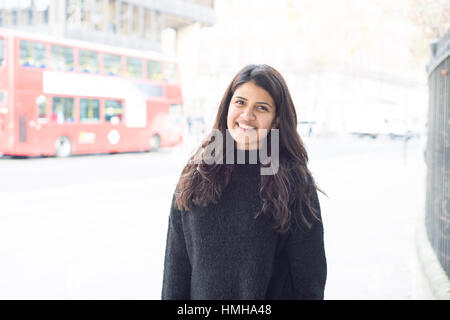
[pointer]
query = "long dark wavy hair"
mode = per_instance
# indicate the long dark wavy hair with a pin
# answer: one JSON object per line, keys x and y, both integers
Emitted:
{"x": 291, "y": 189}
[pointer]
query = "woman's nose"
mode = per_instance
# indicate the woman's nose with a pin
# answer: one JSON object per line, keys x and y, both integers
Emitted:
{"x": 248, "y": 114}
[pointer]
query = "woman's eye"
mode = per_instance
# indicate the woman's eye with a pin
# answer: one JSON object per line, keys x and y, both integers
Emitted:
{"x": 263, "y": 108}
{"x": 240, "y": 102}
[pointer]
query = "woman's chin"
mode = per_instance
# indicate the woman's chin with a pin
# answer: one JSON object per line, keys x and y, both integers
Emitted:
{"x": 246, "y": 146}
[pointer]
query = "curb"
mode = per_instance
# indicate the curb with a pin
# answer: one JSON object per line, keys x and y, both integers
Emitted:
{"x": 431, "y": 279}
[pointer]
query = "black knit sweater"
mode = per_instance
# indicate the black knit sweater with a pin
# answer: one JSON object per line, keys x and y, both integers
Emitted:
{"x": 222, "y": 252}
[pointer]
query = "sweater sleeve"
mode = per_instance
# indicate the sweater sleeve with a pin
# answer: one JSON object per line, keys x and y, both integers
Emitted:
{"x": 307, "y": 261}
{"x": 177, "y": 267}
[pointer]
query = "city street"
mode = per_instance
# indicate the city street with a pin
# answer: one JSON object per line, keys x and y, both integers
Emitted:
{"x": 94, "y": 227}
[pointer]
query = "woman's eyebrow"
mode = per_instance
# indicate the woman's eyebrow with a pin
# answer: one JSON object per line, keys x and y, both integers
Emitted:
{"x": 261, "y": 102}
{"x": 264, "y": 103}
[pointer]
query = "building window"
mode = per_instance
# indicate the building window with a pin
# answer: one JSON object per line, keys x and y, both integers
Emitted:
{"x": 63, "y": 110}
{"x": 40, "y": 11}
{"x": 112, "y": 22}
{"x": 171, "y": 73}
{"x": 147, "y": 24}
{"x": 89, "y": 110}
{"x": 113, "y": 111}
{"x": 2, "y": 52}
{"x": 46, "y": 15}
{"x": 32, "y": 54}
{"x": 85, "y": 13}
{"x": 14, "y": 17}
{"x": 112, "y": 64}
{"x": 99, "y": 15}
{"x": 30, "y": 16}
{"x": 88, "y": 61}
{"x": 124, "y": 18}
{"x": 136, "y": 20}
{"x": 154, "y": 70}
{"x": 134, "y": 67}
{"x": 72, "y": 13}
{"x": 61, "y": 58}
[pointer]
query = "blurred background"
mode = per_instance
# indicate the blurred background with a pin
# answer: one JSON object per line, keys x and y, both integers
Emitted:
{"x": 102, "y": 102}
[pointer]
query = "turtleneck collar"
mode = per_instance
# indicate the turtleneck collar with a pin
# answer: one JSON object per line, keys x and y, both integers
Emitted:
{"x": 244, "y": 169}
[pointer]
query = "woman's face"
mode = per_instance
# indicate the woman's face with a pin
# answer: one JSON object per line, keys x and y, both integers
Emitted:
{"x": 251, "y": 115}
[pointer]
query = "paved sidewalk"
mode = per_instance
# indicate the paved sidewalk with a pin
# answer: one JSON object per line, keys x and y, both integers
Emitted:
{"x": 376, "y": 192}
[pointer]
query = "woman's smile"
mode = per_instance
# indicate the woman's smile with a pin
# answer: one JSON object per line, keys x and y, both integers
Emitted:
{"x": 244, "y": 127}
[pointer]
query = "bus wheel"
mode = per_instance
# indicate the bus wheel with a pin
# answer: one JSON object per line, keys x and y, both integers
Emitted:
{"x": 63, "y": 147}
{"x": 155, "y": 143}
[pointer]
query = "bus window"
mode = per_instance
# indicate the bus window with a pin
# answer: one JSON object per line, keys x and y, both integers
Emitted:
{"x": 41, "y": 102}
{"x": 2, "y": 98}
{"x": 176, "y": 113}
{"x": 32, "y": 54}
{"x": 150, "y": 90}
{"x": 154, "y": 70}
{"x": 89, "y": 61}
{"x": 89, "y": 110}
{"x": 171, "y": 73}
{"x": 134, "y": 67}
{"x": 2, "y": 52}
{"x": 63, "y": 110}
{"x": 113, "y": 111}
{"x": 112, "y": 64}
{"x": 61, "y": 58}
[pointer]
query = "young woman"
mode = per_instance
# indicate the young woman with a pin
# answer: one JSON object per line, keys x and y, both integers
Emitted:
{"x": 235, "y": 233}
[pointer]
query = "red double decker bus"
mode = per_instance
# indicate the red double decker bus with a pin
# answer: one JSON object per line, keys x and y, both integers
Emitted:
{"x": 61, "y": 97}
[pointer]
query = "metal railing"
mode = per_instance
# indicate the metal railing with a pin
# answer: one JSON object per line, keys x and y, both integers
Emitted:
{"x": 437, "y": 213}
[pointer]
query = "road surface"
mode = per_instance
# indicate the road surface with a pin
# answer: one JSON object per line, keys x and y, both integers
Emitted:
{"x": 94, "y": 227}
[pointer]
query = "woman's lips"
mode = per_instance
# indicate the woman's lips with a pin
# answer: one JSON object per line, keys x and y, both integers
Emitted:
{"x": 244, "y": 127}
